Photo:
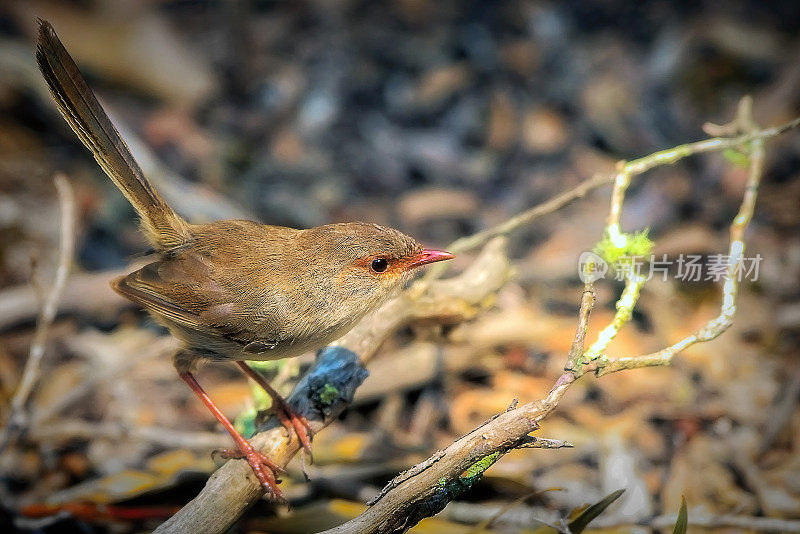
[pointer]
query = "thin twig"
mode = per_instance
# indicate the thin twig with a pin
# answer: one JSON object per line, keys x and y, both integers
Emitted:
{"x": 84, "y": 293}
{"x": 545, "y": 443}
{"x": 730, "y": 286}
{"x": 72, "y": 429}
{"x": 424, "y": 489}
{"x": 625, "y": 305}
{"x": 622, "y": 179}
{"x": 476, "y": 240}
{"x": 433, "y": 483}
{"x": 18, "y": 418}
{"x": 579, "y": 343}
{"x": 402, "y": 504}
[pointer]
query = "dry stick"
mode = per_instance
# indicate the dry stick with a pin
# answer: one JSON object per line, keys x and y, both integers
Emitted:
{"x": 730, "y": 287}
{"x": 404, "y": 502}
{"x": 84, "y": 293}
{"x": 162, "y": 348}
{"x": 231, "y": 490}
{"x": 622, "y": 179}
{"x": 426, "y": 488}
{"x": 576, "y": 351}
{"x": 18, "y": 418}
{"x": 549, "y": 206}
{"x": 72, "y": 429}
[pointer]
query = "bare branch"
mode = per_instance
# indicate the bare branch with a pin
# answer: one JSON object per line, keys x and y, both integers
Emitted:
{"x": 545, "y": 443}
{"x": 71, "y": 429}
{"x": 426, "y": 488}
{"x": 621, "y": 182}
{"x": 716, "y": 326}
{"x": 578, "y": 344}
{"x": 18, "y": 418}
{"x": 549, "y": 206}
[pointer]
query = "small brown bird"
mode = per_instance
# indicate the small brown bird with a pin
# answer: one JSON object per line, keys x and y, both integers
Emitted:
{"x": 235, "y": 289}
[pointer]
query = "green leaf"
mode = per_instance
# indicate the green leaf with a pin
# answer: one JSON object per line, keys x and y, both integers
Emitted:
{"x": 577, "y": 525}
{"x": 683, "y": 519}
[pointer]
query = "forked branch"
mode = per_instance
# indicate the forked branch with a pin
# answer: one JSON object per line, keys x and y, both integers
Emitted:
{"x": 426, "y": 488}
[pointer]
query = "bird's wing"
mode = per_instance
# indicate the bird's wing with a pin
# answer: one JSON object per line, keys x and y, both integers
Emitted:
{"x": 184, "y": 290}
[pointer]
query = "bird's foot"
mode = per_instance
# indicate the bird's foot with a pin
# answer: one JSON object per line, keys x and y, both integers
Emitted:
{"x": 293, "y": 421}
{"x": 288, "y": 417}
{"x": 265, "y": 470}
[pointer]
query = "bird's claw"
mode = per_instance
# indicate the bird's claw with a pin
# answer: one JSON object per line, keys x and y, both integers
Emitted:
{"x": 291, "y": 420}
{"x": 265, "y": 470}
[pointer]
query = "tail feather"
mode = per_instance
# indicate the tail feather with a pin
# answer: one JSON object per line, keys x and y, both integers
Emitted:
{"x": 163, "y": 227}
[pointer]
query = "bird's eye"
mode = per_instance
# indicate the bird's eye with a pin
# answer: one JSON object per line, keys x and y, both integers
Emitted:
{"x": 379, "y": 265}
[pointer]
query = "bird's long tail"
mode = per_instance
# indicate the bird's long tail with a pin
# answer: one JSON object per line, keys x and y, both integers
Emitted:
{"x": 163, "y": 227}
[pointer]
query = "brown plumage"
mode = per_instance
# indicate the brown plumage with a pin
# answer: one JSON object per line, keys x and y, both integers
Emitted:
{"x": 243, "y": 290}
{"x": 235, "y": 289}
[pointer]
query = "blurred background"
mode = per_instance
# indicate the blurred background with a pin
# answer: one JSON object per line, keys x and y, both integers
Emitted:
{"x": 441, "y": 119}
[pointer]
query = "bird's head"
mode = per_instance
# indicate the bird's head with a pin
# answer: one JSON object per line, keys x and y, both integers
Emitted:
{"x": 367, "y": 262}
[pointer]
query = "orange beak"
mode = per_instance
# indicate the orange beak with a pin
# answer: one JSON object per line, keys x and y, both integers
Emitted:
{"x": 429, "y": 256}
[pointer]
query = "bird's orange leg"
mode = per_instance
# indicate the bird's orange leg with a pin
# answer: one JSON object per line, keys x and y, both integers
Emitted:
{"x": 264, "y": 468}
{"x": 287, "y": 416}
